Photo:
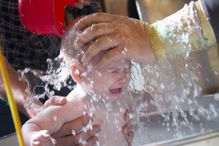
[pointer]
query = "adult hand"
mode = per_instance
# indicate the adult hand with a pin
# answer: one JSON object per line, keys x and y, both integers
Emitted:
{"x": 65, "y": 136}
{"x": 120, "y": 36}
{"x": 128, "y": 129}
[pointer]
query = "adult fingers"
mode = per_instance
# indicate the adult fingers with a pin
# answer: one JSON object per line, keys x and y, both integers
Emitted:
{"x": 55, "y": 100}
{"x": 126, "y": 115}
{"x": 85, "y": 136}
{"x": 91, "y": 142}
{"x": 75, "y": 125}
{"x": 101, "y": 44}
{"x": 91, "y": 33}
{"x": 79, "y": 137}
{"x": 84, "y": 2}
{"x": 129, "y": 134}
{"x": 93, "y": 19}
{"x": 112, "y": 55}
{"x": 79, "y": 5}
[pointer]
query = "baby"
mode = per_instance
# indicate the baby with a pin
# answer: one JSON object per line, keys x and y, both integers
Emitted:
{"x": 98, "y": 93}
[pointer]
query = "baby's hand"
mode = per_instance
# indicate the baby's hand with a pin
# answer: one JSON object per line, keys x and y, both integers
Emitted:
{"x": 41, "y": 138}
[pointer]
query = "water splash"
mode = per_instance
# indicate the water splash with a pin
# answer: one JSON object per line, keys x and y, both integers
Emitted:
{"x": 173, "y": 82}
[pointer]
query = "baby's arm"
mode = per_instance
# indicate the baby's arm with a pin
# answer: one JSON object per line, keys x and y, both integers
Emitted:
{"x": 34, "y": 135}
{"x": 37, "y": 130}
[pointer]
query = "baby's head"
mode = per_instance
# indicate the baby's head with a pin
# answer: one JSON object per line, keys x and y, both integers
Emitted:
{"x": 109, "y": 81}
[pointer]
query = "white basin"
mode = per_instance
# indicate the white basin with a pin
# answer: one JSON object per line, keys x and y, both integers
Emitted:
{"x": 206, "y": 139}
{"x": 202, "y": 132}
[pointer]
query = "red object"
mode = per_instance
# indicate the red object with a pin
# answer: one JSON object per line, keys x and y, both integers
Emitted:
{"x": 44, "y": 16}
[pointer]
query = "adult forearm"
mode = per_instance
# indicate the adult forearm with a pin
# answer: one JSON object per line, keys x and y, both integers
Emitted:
{"x": 2, "y": 89}
{"x": 20, "y": 92}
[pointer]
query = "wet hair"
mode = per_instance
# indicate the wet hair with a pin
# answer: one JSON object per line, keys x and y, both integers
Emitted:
{"x": 68, "y": 52}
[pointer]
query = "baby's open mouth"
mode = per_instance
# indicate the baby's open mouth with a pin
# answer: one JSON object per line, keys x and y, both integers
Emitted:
{"x": 115, "y": 91}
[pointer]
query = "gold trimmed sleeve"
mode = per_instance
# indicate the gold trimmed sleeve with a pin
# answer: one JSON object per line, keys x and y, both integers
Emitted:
{"x": 185, "y": 31}
{"x": 156, "y": 42}
{"x": 206, "y": 27}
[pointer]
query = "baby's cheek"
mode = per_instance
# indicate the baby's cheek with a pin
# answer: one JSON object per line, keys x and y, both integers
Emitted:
{"x": 104, "y": 85}
{"x": 112, "y": 79}
{"x": 128, "y": 77}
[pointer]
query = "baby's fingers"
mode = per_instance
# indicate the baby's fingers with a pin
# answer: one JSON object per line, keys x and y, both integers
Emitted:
{"x": 40, "y": 137}
{"x": 55, "y": 100}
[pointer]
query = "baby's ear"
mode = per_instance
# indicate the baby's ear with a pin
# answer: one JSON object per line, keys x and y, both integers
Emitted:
{"x": 76, "y": 72}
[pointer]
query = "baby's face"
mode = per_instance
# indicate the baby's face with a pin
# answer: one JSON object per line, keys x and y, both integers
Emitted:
{"x": 111, "y": 80}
